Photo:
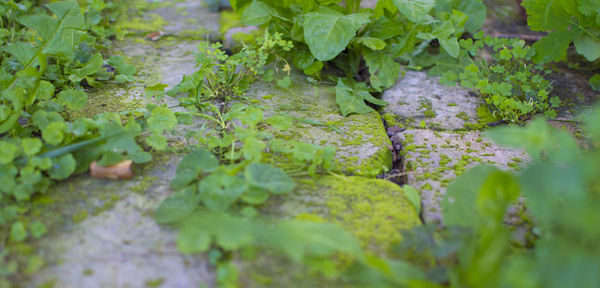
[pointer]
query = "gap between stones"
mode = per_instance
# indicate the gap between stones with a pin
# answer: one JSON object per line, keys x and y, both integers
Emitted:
{"x": 397, "y": 174}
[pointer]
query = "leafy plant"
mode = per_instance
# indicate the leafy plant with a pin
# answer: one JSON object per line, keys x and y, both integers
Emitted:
{"x": 356, "y": 40}
{"x": 569, "y": 21}
{"x": 223, "y": 77}
{"x": 511, "y": 86}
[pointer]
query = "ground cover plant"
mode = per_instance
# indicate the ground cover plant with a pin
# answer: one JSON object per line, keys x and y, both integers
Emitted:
{"x": 50, "y": 53}
{"x": 359, "y": 42}
{"x": 241, "y": 158}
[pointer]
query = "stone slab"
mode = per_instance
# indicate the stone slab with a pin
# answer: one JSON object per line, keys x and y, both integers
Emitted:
{"x": 433, "y": 159}
{"x": 363, "y": 147}
{"x": 417, "y": 97}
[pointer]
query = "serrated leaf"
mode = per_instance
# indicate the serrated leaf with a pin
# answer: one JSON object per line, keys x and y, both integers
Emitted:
{"x": 162, "y": 119}
{"x": 269, "y": 178}
{"x": 255, "y": 195}
{"x": 157, "y": 141}
{"x": 414, "y": 10}
{"x": 73, "y": 99}
{"x": 553, "y": 47}
{"x": 327, "y": 32}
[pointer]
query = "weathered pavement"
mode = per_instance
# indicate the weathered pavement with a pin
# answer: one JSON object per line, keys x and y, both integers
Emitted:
{"x": 103, "y": 233}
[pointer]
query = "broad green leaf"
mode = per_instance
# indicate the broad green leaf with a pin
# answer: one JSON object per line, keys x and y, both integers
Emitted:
{"x": 192, "y": 165}
{"x": 476, "y": 12}
{"x": 413, "y": 196}
{"x": 328, "y": 32}
{"x": 162, "y": 119}
{"x": 553, "y": 47}
{"x": 544, "y": 15}
{"x": 257, "y": 13}
{"x": 587, "y": 46}
{"x": 450, "y": 45}
{"x": 177, "y": 206}
{"x": 44, "y": 25}
{"x": 193, "y": 240}
{"x": 219, "y": 190}
{"x": 270, "y": 178}
{"x": 458, "y": 205}
{"x": 383, "y": 69}
{"x": 18, "y": 233}
{"x": 62, "y": 167}
{"x": 414, "y": 10}
{"x": 73, "y": 99}
{"x": 22, "y": 51}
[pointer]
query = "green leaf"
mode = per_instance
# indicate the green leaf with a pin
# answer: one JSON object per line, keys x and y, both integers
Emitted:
{"x": 18, "y": 232}
{"x": 62, "y": 167}
{"x": 92, "y": 66}
{"x": 458, "y": 205}
{"x": 353, "y": 100}
{"x": 372, "y": 43}
{"x": 38, "y": 229}
{"x": 328, "y": 32}
{"x": 553, "y": 47}
{"x": 177, "y": 206}
{"x": 157, "y": 90}
{"x": 413, "y": 196}
{"x": 31, "y": 146}
{"x": 8, "y": 152}
{"x": 157, "y": 141}
{"x": 587, "y": 46}
{"x": 383, "y": 69}
{"x": 162, "y": 119}
{"x": 414, "y": 10}
{"x": 257, "y": 13}
{"x": 192, "y": 165}
{"x": 22, "y": 51}
{"x": 595, "y": 82}
{"x": 53, "y": 133}
{"x": 270, "y": 178}
{"x": 73, "y": 99}
{"x": 219, "y": 190}
{"x": 192, "y": 241}
{"x": 255, "y": 195}
{"x": 285, "y": 82}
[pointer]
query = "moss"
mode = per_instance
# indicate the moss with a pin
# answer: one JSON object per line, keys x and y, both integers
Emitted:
{"x": 129, "y": 26}
{"x": 375, "y": 211}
